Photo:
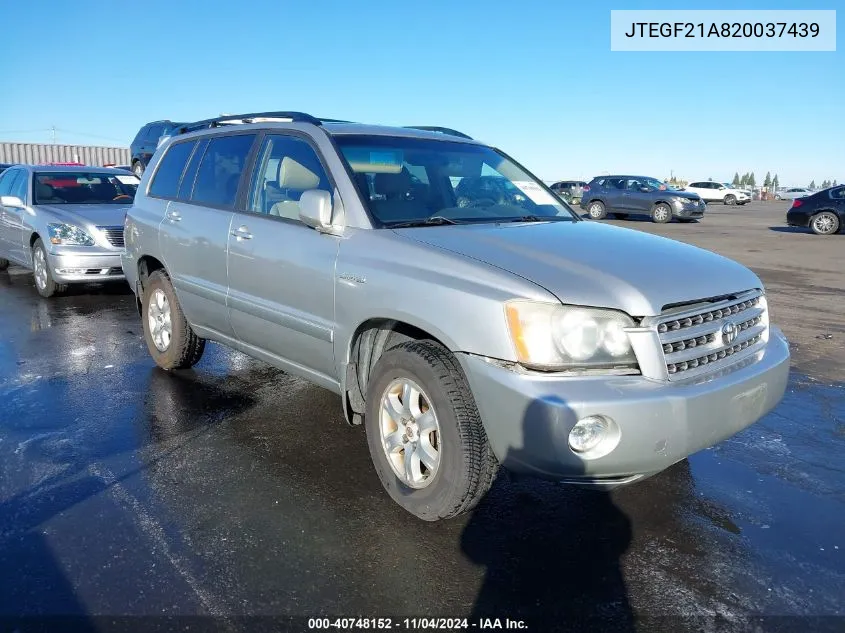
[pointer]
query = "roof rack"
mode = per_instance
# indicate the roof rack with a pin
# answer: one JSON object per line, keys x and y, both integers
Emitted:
{"x": 253, "y": 117}
{"x": 441, "y": 130}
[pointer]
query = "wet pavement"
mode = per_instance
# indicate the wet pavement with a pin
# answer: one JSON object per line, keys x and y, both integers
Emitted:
{"x": 236, "y": 490}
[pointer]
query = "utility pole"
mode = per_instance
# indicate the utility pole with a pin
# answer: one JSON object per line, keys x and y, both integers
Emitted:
{"x": 53, "y": 130}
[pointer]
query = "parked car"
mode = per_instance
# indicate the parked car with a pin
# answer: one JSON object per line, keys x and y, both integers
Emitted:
{"x": 627, "y": 195}
{"x": 571, "y": 189}
{"x": 823, "y": 212}
{"x": 717, "y": 192}
{"x": 145, "y": 143}
{"x": 4, "y": 167}
{"x": 793, "y": 192}
{"x": 65, "y": 223}
{"x": 502, "y": 332}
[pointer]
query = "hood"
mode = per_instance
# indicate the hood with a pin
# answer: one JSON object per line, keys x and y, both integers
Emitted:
{"x": 96, "y": 214}
{"x": 685, "y": 194}
{"x": 591, "y": 264}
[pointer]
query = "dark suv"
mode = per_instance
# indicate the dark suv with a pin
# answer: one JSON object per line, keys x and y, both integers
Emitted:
{"x": 629, "y": 195}
{"x": 146, "y": 142}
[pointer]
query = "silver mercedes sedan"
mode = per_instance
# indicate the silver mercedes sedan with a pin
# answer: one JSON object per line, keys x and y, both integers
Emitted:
{"x": 64, "y": 223}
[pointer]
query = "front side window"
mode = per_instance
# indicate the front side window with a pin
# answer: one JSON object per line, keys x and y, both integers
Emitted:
{"x": 423, "y": 181}
{"x": 286, "y": 168}
{"x": 165, "y": 182}
{"x": 84, "y": 187}
{"x": 19, "y": 186}
{"x": 6, "y": 179}
{"x": 219, "y": 172}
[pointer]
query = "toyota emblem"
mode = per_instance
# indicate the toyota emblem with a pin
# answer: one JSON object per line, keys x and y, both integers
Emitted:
{"x": 729, "y": 332}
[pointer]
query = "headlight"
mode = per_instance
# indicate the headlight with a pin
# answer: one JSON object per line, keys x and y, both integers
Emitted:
{"x": 552, "y": 336}
{"x": 69, "y": 234}
{"x": 679, "y": 202}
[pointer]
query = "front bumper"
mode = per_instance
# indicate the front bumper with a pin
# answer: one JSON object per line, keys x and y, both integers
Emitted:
{"x": 688, "y": 211}
{"x": 75, "y": 265}
{"x": 528, "y": 416}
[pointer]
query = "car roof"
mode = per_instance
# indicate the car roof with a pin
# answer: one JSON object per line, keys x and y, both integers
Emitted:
{"x": 623, "y": 176}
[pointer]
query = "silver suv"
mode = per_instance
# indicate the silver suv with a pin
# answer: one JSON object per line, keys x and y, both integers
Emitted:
{"x": 463, "y": 334}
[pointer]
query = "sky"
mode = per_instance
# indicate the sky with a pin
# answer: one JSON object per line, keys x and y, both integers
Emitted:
{"x": 536, "y": 79}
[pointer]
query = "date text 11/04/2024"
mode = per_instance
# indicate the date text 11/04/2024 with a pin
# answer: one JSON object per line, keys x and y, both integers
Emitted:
{"x": 415, "y": 624}
{"x": 724, "y": 29}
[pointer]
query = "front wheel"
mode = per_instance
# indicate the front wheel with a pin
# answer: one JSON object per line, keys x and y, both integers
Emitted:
{"x": 44, "y": 282}
{"x": 730, "y": 200}
{"x": 777, "y": 198}
{"x": 825, "y": 223}
{"x": 170, "y": 339}
{"x": 424, "y": 432}
{"x": 661, "y": 213}
{"x": 138, "y": 168}
{"x": 596, "y": 210}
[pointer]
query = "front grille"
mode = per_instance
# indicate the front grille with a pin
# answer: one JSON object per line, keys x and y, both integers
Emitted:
{"x": 114, "y": 234}
{"x": 698, "y": 340}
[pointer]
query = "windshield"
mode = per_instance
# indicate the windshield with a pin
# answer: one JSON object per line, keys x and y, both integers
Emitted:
{"x": 79, "y": 187}
{"x": 411, "y": 180}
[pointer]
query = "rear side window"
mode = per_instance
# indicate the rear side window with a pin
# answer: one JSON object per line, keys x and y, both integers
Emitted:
{"x": 166, "y": 180}
{"x": 838, "y": 193}
{"x": 187, "y": 185}
{"x": 220, "y": 170}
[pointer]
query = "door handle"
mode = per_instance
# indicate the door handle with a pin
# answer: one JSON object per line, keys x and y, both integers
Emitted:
{"x": 242, "y": 233}
{"x": 175, "y": 216}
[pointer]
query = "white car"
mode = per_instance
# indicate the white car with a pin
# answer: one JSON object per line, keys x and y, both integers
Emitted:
{"x": 710, "y": 191}
{"x": 792, "y": 193}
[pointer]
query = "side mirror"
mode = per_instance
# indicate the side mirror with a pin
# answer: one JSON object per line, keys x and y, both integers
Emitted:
{"x": 11, "y": 201}
{"x": 315, "y": 209}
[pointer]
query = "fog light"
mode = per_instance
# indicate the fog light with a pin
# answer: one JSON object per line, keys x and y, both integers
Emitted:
{"x": 588, "y": 433}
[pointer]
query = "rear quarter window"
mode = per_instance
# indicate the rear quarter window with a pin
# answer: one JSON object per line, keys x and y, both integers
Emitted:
{"x": 165, "y": 182}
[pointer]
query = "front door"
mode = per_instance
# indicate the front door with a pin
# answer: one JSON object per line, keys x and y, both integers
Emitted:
{"x": 637, "y": 200}
{"x": 281, "y": 272}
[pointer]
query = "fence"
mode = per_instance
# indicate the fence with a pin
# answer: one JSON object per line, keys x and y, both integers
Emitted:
{"x": 41, "y": 153}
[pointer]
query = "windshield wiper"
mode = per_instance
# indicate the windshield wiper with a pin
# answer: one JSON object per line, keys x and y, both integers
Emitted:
{"x": 435, "y": 220}
{"x": 532, "y": 218}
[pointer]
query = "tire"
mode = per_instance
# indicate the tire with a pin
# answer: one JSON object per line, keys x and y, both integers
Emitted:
{"x": 825, "y": 223}
{"x": 4, "y": 263}
{"x": 620, "y": 216}
{"x": 661, "y": 213}
{"x": 176, "y": 348}
{"x": 138, "y": 168}
{"x": 730, "y": 199}
{"x": 464, "y": 466}
{"x": 596, "y": 210}
{"x": 41, "y": 273}
{"x": 777, "y": 197}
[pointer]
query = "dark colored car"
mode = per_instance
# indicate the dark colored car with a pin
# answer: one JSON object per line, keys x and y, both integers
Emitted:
{"x": 146, "y": 142}
{"x": 639, "y": 195}
{"x": 4, "y": 167}
{"x": 823, "y": 212}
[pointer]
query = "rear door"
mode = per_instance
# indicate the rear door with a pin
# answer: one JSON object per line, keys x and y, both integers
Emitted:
{"x": 7, "y": 178}
{"x": 195, "y": 230}
{"x": 281, "y": 272}
{"x": 612, "y": 193}
{"x": 16, "y": 217}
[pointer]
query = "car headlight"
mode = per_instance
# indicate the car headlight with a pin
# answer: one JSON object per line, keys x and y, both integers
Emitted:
{"x": 553, "y": 336}
{"x": 69, "y": 234}
{"x": 679, "y": 202}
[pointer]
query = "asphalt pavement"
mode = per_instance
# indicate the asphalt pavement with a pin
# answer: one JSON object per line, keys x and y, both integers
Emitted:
{"x": 232, "y": 494}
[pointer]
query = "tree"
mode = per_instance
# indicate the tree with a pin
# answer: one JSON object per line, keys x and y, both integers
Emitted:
{"x": 767, "y": 182}
{"x": 834, "y": 183}
{"x": 775, "y": 182}
{"x": 735, "y": 181}
{"x": 825, "y": 183}
{"x": 812, "y": 184}
{"x": 751, "y": 180}
{"x": 744, "y": 180}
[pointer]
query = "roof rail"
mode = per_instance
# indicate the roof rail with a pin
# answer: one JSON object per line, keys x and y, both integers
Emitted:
{"x": 441, "y": 130}
{"x": 252, "y": 117}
